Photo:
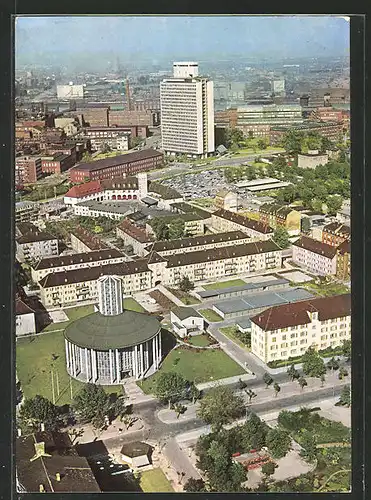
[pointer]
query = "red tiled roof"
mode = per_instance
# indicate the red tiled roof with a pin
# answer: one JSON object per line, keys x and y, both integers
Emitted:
{"x": 316, "y": 246}
{"x": 296, "y": 313}
{"x": 135, "y": 232}
{"x": 84, "y": 189}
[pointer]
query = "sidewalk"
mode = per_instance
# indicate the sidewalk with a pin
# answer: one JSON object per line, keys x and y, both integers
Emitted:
{"x": 135, "y": 394}
{"x": 225, "y": 381}
{"x": 87, "y": 433}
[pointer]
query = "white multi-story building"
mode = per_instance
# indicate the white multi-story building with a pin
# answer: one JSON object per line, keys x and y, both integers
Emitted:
{"x": 187, "y": 112}
{"x": 288, "y": 330}
{"x": 31, "y": 243}
{"x": 316, "y": 256}
{"x": 110, "y": 295}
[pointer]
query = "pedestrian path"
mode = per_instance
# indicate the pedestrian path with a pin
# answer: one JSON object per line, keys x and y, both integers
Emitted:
{"x": 135, "y": 394}
{"x": 170, "y": 295}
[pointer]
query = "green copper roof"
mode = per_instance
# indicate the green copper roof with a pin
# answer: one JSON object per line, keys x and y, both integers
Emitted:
{"x": 112, "y": 332}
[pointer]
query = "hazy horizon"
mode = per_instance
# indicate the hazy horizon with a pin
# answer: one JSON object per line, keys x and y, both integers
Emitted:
{"x": 74, "y": 40}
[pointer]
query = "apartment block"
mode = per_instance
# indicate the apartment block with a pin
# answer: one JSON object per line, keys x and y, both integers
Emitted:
{"x": 335, "y": 233}
{"x": 83, "y": 240}
{"x": 31, "y": 243}
{"x": 275, "y": 215}
{"x": 225, "y": 220}
{"x": 226, "y": 200}
{"x": 187, "y": 112}
{"x": 134, "y": 236}
{"x": 288, "y": 330}
{"x": 76, "y": 261}
{"x": 343, "y": 262}
{"x": 28, "y": 169}
{"x": 315, "y": 256}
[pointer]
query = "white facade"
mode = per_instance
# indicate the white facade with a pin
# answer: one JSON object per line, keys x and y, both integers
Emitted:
{"x": 186, "y": 69}
{"x": 110, "y": 295}
{"x": 193, "y": 325}
{"x": 315, "y": 262}
{"x": 70, "y": 91}
{"x": 25, "y": 323}
{"x": 187, "y": 116}
{"x": 34, "y": 250}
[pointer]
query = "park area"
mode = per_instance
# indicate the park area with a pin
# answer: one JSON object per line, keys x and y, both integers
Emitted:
{"x": 197, "y": 366}
{"x": 154, "y": 481}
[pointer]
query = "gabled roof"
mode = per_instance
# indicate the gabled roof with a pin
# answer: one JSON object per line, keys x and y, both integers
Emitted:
{"x": 297, "y": 313}
{"x": 117, "y": 160}
{"x": 185, "y": 312}
{"x": 337, "y": 228}
{"x": 155, "y": 258}
{"x": 316, "y": 247}
{"x": 77, "y": 258}
{"x": 243, "y": 221}
{"x": 84, "y": 189}
{"x": 22, "y": 308}
{"x": 344, "y": 247}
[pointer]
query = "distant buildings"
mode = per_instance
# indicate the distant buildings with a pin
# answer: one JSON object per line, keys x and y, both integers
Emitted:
{"x": 28, "y": 169}
{"x": 187, "y": 112}
{"x": 224, "y": 220}
{"x": 259, "y": 119}
{"x": 312, "y": 159}
{"x": 226, "y": 200}
{"x": 277, "y": 215}
{"x": 331, "y": 130}
{"x": 285, "y": 331}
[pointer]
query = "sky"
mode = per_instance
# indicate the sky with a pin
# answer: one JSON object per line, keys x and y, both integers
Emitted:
{"x": 159, "y": 38}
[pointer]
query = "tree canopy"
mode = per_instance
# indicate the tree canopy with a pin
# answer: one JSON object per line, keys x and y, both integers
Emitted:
{"x": 91, "y": 404}
{"x": 170, "y": 387}
{"x": 278, "y": 442}
{"x": 39, "y": 410}
{"x": 220, "y": 406}
{"x": 313, "y": 364}
{"x": 281, "y": 237}
{"x": 186, "y": 285}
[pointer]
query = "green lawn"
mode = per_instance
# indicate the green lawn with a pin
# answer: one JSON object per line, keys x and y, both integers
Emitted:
{"x": 155, "y": 481}
{"x": 229, "y": 331}
{"x": 202, "y": 366}
{"x": 210, "y": 315}
{"x": 224, "y": 284}
{"x": 73, "y": 313}
{"x": 190, "y": 300}
{"x": 326, "y": 289}
{"x": 132, "y": 305}
{"x": 199, "y": 340}
{"x": 35, "y": 362}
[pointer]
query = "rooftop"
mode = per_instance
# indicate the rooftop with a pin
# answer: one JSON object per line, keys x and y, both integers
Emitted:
{"x": 166, "y": 192}
{"x": 88, "y": 238}
{"x": 135, "y": 232}
{"x": 28, "y": 233}
{"x": 208, "y": 239}
{"x": 93, "y": 273}
{"x": 185, "y": 312}
{"x": 337, "y": 228}
{"x": 297, "y": 313}
{"x": 243, "y": 221}
{"x": 222, "y": 253}
{"x": 316, "y": 247}
{"x": 117, "y": 160}
{"x": 97, "y": 331}
{"x": 77, "y": 258}
{"x": 22, "y": 308}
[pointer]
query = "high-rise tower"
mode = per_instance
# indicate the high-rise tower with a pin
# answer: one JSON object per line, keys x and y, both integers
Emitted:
{"x": 187, "y": 112}
{"x": 110, "y": 295}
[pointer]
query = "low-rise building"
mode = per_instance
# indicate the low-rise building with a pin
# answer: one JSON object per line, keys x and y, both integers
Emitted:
{"x": 312, "y": 159}
{"x": 288, "y": 330}
{"x": 166, "y": 195}
{"x": 57, "y": 163}
{"x": 205, "y": 242}
{"x": 136, "y": 454}
{"x": 76, "y": 261}
{"x": 28, "y": 169}
{"x": 26, "y": 211}
{"x": 186, "y": 321}
{"x": 135, "y": 236}
{"x": 343, "y": 262}
{"x": 227, "y": 200}
{"x": 315, "y": 256}
{"x": 335, "y": 233}
{"x": 278, "y": 215}
{"x": 120, "y": 188}
{"x": 83, "y": 240}
{"x": 224, "y": 220}
{"x": 331, "y": 130}
{"x": 24, "y": 318}
{"x": 31, "y": 243}
{"x": 343, "y": 215}
{"x": 114, "y": 137}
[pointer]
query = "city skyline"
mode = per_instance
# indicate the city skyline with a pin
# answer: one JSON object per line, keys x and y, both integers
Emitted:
{"x": 163, "y": 38}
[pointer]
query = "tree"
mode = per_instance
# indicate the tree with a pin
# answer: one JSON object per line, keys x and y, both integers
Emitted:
{"x": 220, "y": 406}
{"x": 262, "y": 144}
{"x": 39, "y": 410}
{"x": 241, "y": 384}
{"x": 334, "y": 204}
{"x": 276, "y": 388}
{"x": 333, "y": 364}
{"x": 309, "y": 445}
{"x": 345, "y": 397}
{"x": 281, "y": 237}
{"x": 317, "y": 205}
{"x": 170, "y": 387}
{"x": 343, "y": 372}
{"x": 186, "y": 285}
{"x": 278, "y": 442}
{"x": 176, "y": 229}
{"x": 91, "y": 404}
{"x": 251, "y": 172}
{"x": 251, "y": 134}
{"x": 253, "y": 433}
{"x": 195, "y": 485}
{"x": 106, "y": 148}
{"x": 160, "y": 228}
{"x": 179, "y": 409}
{"x": 268, "y": 469}
{"x": 267, "y": 379}
{"x": 313, "y": 364}
{"x": 250, "y": 394}
{"x": 302, "y": 382}
{"x": 347, "y": 348}
{"x": 292, "y": 141}
{"x": 292, "y": 372}
{"x": 305, "y": 225}
{"x": 193, "y": 392}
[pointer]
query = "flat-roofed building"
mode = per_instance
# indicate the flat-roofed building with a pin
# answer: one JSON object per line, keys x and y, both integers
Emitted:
{"x": 57, "y": 163}
{"x": 187, "y": 113}
{"x": 224, "y": 220}
{"x": 315, "y": 256}
{"x": 288, "y": 330}
{"x": 26, "y": 211}
{"x": 24, "y": 318}
{"x": 28, "y": 169}
{"x": 312, "y": 159}
{"x": 259, "y": 118}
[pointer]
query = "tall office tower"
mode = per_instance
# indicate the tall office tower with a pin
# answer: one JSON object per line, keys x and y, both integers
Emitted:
{"x": 110, "y": 295}
{"x": 187, "y": 112}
